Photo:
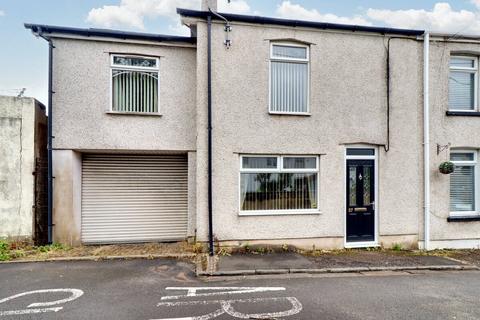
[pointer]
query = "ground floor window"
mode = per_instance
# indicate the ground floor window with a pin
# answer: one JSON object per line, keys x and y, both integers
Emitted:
{"x": 278, "y": 183}
{"x": 464, "y": 183}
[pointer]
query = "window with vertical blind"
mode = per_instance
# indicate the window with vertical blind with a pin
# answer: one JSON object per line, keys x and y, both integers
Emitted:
{"x": 278, "y": 184}
{"x": 134, "y": 84}
{"x": 463, "y": 84}
{"x": 289, "y": 78}
{"x": 463, "y": 183}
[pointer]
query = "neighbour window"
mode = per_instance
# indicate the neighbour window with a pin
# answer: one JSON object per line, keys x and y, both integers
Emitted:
{"x": 463, "y": 83}
{"x": 463, "y": 183}
{"x": 278, "y": 183}
{"x": 134, "y": 84}
{"x": 289, "y": 78}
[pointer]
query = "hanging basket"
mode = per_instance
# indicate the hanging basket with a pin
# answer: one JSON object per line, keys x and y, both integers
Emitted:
{"x": 446, "y": 167}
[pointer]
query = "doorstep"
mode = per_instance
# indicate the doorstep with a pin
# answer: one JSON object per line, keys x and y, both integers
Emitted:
{"x": 351, "y": 261}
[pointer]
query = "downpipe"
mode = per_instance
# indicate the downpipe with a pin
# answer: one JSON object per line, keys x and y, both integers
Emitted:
{"x": 426, "y": 138}
{"x": 49, "y": 140}
{"x": 209, "y": 129}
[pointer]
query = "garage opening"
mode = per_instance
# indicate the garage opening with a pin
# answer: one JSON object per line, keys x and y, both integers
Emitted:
{"x": 134, "y": 198}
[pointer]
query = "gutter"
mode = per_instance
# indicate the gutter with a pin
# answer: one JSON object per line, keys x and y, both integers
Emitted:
{"x": 426, "y": 138}
{"x": 298, "y": 23}
{"x": 107, "y": 33}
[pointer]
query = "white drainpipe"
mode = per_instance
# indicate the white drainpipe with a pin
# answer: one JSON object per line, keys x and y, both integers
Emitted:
{"x": 426, "y": 138}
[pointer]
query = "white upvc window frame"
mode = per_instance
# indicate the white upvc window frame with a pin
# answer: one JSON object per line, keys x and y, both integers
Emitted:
{"x": 279, "y": 169}
{"x": 134, "y": 68}
{"x": 273, "y": 58}
{"x": 476, "y": 165}
{"x": 473, "y": 70}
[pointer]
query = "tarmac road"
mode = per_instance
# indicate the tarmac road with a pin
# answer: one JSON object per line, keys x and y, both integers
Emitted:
{"x": 168, "y": 289}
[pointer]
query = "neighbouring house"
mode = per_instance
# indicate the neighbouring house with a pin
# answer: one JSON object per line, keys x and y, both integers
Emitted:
{"x": 264, "y": 130}
{"x": 23, "y": 165}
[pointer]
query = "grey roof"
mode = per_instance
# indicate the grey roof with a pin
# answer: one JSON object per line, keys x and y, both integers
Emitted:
{"x": 299, "y": 23}
{"x": 106, "y": 33}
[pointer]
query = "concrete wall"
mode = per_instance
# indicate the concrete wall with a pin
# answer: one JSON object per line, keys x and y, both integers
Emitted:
{"x": 460, "y": 132}
{"x": 348, "y": 106}
{"x": 19, "y": 145}
{"x": 67, "y": 170}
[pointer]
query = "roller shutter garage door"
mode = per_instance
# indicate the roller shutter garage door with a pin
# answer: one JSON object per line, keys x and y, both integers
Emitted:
{"x": 134, "y": 198}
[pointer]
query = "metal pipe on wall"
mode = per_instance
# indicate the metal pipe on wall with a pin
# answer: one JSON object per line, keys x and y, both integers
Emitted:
{"x": 49, "y": 135}
{"x": 426, "y": 138}
{"x": 49, "y": 144}
{"x": 209, "y": 128}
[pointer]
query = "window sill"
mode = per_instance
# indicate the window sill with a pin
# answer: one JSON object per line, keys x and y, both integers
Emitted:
{"x": 463, "y": 113}
{"x": 278, "y": 213}
{"x": 144, "y": 114}
{"x": 463, "y": 218}
{"x": 305, "y": 114}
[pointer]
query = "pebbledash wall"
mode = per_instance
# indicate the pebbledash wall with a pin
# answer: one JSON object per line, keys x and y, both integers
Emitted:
{"x": 348, "y": 107}
{"x": 461, "y": 132}
{"x": 22, "y": 143}
{"x": 82, "y": 123}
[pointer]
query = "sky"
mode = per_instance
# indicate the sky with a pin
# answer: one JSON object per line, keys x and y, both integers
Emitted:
{"x": 24, "y": 58}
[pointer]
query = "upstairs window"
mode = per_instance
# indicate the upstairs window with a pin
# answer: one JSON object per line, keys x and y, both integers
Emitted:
{"x": 289, "y": 78}
{"x": 463, "y": 183}
{"x": 463, "y": 84}
{"x": 134, "y": 84}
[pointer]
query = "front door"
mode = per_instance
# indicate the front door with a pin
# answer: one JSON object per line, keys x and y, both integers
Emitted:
{"x": 360, "y": 200}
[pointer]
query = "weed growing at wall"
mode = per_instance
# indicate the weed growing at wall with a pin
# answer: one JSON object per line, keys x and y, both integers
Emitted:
{"x": 4, "y": 251}
{"x": 13, "y": 250}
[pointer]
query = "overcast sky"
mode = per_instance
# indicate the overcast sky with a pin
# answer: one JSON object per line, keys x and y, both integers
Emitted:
{"x": 23, "y": 58}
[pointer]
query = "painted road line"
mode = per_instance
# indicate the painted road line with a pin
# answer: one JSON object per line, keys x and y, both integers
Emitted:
{"x": 29, "y": 311}
{"x": 211, "y": 315}
{"x": 192, "y": 291}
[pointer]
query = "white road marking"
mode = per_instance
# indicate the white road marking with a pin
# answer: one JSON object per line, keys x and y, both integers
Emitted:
{"x": 192, "y": 291}
{"x": 226, "y": 307}
{"x": 75, "y": 294}
{"x": 29, "y": 311}
{"x": 296, "y": 308}
{"x": 211, "y": 315}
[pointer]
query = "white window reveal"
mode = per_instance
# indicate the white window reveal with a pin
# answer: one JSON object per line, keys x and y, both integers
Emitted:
{"x": 278, "y": 184}
{"x": 464, "y": 183}
{"x": 289, "y": 78}
{"x": 135, "y": 84}
{"x": 463, "y": 84}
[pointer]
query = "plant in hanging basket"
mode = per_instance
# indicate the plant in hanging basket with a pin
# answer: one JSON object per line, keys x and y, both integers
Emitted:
{"x": 446, "y": 167}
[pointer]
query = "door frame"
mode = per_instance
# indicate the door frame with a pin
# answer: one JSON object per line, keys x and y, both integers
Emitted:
{"x": 346, "y": 157}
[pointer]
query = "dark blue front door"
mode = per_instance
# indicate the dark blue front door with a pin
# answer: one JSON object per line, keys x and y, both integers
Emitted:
{"x": 360, "y": 200}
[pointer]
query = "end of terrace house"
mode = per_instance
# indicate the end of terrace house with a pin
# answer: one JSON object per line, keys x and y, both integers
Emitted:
{"x": 263, "y": 130}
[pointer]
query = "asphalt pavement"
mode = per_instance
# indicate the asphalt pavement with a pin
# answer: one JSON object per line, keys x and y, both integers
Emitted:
{"x": 168, "y": 289}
